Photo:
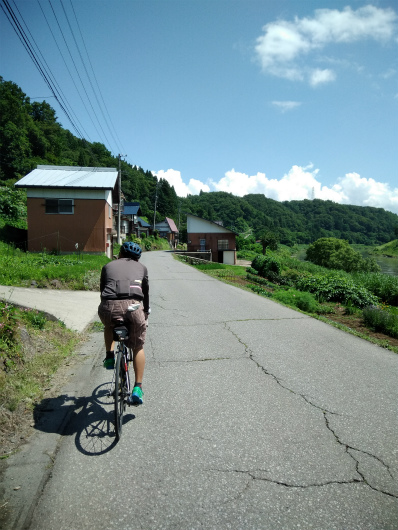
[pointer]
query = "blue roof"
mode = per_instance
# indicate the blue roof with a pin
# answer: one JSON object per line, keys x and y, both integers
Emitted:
{"x": 143, "y": 223}
{"x": 131, "y": 208}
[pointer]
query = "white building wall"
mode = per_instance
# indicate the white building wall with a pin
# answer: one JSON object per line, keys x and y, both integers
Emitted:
{"x": 199, "y": 226}
{"x": 68, "y": 193}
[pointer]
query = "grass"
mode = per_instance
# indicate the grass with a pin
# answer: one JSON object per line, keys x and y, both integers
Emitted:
{"x": 31, "y": 351}
{"x": 388, "y": 249}
{"x": 72, "y": 271}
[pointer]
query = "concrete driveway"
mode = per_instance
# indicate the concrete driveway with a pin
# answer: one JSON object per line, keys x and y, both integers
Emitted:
{"x": 76, "y": 309}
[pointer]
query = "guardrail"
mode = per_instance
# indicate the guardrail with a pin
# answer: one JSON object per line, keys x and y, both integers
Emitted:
{"x": 193, "y": 257}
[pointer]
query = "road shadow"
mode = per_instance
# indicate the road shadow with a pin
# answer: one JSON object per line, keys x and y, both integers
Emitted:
{"x": 89, "y": 418}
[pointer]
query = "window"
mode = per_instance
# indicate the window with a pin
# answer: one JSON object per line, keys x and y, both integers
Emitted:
{"x": 60, "y": 206}
{"x": 223, "y": 244}
{"x": 202, "y": 243}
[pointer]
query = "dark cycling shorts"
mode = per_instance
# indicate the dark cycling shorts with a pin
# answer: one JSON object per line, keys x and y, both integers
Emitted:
{"x": 110, "y": 311}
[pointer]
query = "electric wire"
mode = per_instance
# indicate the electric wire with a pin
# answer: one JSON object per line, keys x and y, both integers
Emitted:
{"x": 78, "y": 74}
{"x": 41, "y": 64}
{"x": 110, "y": 124}
{"x": 66, "y": 66}
{"x": 17, "y": 27}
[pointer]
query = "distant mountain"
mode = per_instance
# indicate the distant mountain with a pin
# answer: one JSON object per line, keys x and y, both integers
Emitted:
{"x": 296, "y": 221}
{"x": 30, "y": 134}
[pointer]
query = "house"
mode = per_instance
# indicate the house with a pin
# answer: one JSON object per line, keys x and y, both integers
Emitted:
{"x": 168, "y": 230}
{"x": 70, "y": 208}
{"x": 143, "y": 228}
{"x": 129, "y": 219}
{"x": 210, "y": 237}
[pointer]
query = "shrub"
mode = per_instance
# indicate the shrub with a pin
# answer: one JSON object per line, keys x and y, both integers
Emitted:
{"x": 381, "y": 320}
{"x": 384, "y": 286}
{"x": 336, "y": 253}
{"x": 302, "y": 300}
{"x": 337, "y": 288}
{"x": 268, "y": 267}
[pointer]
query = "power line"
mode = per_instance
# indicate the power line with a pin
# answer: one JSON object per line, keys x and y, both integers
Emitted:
{"x": 29, "y": 43}
{"x": 98, "y": 87}
{"x": 78, "y": 74}
{"x": 17, "y": 26}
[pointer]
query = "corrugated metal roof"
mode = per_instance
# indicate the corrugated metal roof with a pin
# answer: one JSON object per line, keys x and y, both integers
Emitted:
{"x": 131, "y": 208}
{"x": 69, "y": 177}
{"x": 172, "y": 224}
{"x": 143, "y": 223}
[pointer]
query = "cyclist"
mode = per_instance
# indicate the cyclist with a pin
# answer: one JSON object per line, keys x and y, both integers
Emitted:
{"x": 125, "y": 282}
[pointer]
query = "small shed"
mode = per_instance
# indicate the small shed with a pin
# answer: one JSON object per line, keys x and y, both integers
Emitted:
{"x": 211, "y": 237}
{"x": 70, "y": 208}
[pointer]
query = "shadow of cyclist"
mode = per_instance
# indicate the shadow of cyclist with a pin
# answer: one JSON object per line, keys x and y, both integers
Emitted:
{"x": 90, "y": 418}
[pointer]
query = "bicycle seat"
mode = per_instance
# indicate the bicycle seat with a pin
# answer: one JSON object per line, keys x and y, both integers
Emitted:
{"x": 120, "y": 332}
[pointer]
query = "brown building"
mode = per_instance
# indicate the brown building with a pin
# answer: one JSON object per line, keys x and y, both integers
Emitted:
{"x": 70, "y": 208}
{"x": 211, "y": 238}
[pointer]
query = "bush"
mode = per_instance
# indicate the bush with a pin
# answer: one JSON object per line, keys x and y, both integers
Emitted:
{"x": 268, "y": 267}
{"x": 336, "y": 253}
{"x": 302, "y": 300}
{"x": 384, "y": 286}
{"x": 381, "y": 320}
{"x": 337, "y": 288}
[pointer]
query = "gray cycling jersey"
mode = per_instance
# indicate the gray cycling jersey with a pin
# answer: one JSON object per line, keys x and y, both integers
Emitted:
{"x": 125, "y": 278}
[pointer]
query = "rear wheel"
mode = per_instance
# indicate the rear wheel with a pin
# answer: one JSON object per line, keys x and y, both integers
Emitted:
{"x": 120, "y": 384}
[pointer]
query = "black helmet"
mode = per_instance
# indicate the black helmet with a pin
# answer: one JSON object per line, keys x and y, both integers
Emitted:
{"x": 131, "y": 250}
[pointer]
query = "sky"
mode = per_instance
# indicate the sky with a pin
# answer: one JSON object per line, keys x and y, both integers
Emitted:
{"x": 292, "y": 99}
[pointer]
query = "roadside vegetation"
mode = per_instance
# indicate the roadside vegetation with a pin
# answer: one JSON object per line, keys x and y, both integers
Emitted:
{"x": 361, "y": 301}
{"x": 32, "y": 349}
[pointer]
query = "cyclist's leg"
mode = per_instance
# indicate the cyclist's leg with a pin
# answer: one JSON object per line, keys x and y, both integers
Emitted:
{"x": 108, "y": 338}
{"x": 136, "y": 397}
{"x": 138, "y": 364}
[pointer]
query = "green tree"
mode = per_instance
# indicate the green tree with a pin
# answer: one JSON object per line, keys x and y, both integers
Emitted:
{"x": 336, "y": 253}
{"x": 268, "y": 240}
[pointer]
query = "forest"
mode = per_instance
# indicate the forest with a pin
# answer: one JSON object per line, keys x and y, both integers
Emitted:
{"x": 30, "y": 134}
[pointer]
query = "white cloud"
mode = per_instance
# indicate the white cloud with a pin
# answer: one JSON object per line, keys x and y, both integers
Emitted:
{"x": 284, "y": 43}
{"x": 174, "y": 178}
{"x": 298, "y": 183}
{"x": 285, "y": 106}
{"x": 319, "y": 77}
{"x": 301, "y": 183}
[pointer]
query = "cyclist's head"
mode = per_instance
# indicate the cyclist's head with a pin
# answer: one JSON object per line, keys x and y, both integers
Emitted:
{"x": 132, "y": 250}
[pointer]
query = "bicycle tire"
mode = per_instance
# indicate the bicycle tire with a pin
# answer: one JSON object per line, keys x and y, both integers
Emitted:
{"x": 120, "y": 405}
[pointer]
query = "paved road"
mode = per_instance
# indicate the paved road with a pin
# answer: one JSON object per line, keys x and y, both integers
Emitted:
{"x": 255, "y": 417}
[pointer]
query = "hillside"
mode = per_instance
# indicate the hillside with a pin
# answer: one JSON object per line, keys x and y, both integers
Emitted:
{"x": 30, "y": 134}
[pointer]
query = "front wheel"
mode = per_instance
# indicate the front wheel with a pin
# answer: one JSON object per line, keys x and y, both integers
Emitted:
{"x": 120, "y": 383}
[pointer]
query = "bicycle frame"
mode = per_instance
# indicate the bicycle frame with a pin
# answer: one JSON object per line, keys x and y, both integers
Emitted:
{"x": 121, "y": 379}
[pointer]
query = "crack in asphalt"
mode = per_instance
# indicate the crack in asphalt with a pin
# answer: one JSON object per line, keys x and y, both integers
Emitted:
{"x": 348, "y": 449}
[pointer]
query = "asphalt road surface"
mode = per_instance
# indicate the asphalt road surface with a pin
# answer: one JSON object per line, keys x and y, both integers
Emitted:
{"x": 255, "y": 416}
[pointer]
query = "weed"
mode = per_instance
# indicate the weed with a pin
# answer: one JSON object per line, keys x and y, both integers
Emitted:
{"x": 304, "y": 301}
{"x": 381, "y": 320}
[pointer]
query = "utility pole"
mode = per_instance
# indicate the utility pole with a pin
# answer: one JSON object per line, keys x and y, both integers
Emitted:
{"x": 119, "y": 207}
{"x": 156, "y": 201}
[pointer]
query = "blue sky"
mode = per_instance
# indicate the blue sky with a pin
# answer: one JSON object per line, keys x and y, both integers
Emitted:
{"x": 294, "y": 99}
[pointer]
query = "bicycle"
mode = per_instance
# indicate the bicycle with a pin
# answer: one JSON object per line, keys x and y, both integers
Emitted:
{"x": 121, "y": 377}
